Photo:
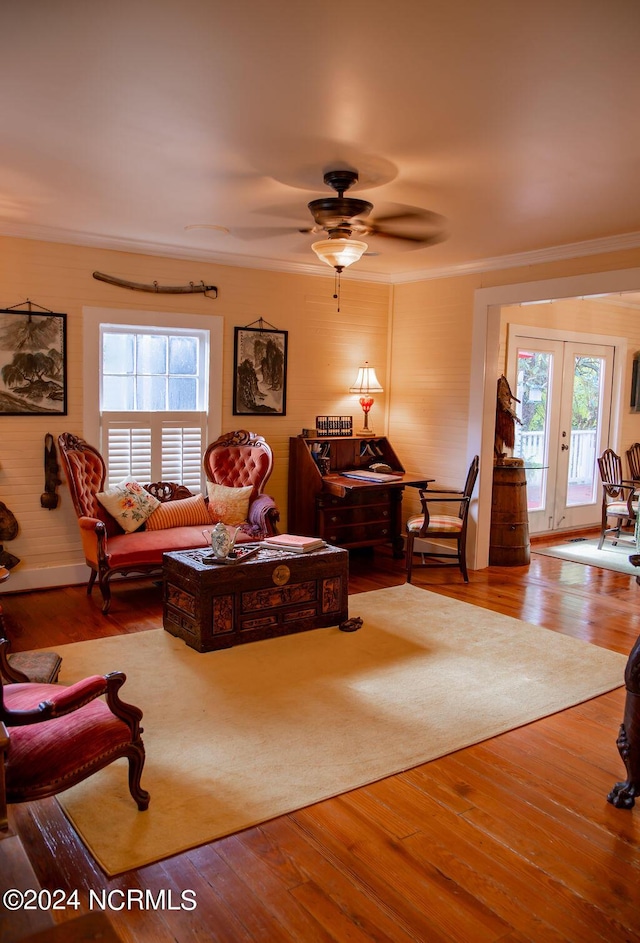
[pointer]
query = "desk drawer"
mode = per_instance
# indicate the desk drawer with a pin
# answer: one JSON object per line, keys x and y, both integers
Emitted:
{"x": 358, "y": 533}
{"x": 354, "y": 498}
{"x": 364, "y": 514}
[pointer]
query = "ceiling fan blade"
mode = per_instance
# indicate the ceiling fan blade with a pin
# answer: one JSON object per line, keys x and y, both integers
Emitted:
{"x": 426, "y": 240}
{"x": 409, "y": 224}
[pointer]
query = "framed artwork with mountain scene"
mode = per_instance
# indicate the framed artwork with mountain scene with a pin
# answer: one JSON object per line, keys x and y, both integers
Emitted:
{"x": 33, "y": 363}
{"x": 260, "y": 360}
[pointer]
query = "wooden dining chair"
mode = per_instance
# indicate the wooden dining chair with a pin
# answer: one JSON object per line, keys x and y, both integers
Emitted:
{"x": 633, "y": 462}
{"x": 619, "y": 498}
{"x": 448, "y": 527}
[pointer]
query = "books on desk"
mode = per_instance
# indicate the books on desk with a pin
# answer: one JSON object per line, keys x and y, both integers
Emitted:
{"x": 365, "y": 475}
{"x": 293, "y": 542}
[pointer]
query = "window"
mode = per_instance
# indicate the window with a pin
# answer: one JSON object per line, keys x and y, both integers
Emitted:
{"x": 156, "y": 394}
{"x": 153, "y": 403}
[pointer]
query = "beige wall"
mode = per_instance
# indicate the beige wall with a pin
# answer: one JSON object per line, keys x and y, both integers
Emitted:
{"x": 325, "y": 350}
{"x": 432, "y": 357}
{"x": 418, "y": 335}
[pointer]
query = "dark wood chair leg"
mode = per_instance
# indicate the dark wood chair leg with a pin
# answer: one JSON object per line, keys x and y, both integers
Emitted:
{"x": 136, "y": 763}
{"x": 105, "y": 589}
{"x": 462, "y": 558}
{"x": 623, "y": 794}
{"x": 410, "y": 543}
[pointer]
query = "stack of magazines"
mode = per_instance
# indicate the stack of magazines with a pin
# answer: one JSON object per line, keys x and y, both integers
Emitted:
{"x": 293, "y": 543}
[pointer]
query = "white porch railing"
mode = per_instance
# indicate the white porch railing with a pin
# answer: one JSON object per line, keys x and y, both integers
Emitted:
{"x": 582, "y": 454}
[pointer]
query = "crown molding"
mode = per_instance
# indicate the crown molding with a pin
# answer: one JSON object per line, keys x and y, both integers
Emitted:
{"x": 164, "y": 250}
{"x": 570, "y": 250}
{"x": 144, "y": 247}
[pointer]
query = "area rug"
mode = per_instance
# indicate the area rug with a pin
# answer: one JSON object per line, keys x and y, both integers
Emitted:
{"x": 586, "y": 551}
{"x": 236, "y": 737}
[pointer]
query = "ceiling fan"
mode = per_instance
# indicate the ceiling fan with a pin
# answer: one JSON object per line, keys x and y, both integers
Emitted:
{"x": 343, "y": 217}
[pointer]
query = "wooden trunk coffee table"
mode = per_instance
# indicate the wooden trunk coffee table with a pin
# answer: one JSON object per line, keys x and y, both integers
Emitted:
{"x": 274, "y": 592}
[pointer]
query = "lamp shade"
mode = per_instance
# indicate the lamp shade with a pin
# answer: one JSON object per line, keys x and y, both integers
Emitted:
{"x": 339, "y": 253}
{"x": 366, "y": 381}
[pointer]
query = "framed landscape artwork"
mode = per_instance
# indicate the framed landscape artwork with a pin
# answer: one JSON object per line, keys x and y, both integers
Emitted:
{"x": 260, "y": 360}
{"x": 33, "y": 363}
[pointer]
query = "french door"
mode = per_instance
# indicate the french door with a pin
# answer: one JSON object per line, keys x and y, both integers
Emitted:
{"x": 565, "y": 390}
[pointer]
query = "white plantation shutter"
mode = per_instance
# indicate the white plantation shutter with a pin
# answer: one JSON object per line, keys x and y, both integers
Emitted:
{"x": 159, "y": 446}
{"x": 182, "y": 451}
{"x": 128, "y": 451}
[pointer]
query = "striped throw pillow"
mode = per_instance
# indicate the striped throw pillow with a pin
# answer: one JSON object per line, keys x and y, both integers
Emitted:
{"x": 182, "y": 513}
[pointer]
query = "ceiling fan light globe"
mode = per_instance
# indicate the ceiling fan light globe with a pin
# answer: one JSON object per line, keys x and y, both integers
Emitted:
{"x": 339, "y": 253}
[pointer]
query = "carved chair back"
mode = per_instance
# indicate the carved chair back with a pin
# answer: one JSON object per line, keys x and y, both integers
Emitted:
{"x": 610, "y": 465}
{"x": 633, "y": 461}
{"x": 469, "y": 485}
{"x": 237, "y": 459}
{"x": 85, "y": 470}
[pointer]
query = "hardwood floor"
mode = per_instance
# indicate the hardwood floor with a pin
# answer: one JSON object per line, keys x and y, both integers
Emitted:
{"x": 510, "y": 840}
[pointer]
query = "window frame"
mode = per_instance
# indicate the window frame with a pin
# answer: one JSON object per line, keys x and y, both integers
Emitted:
{"x": 93, "y": 318}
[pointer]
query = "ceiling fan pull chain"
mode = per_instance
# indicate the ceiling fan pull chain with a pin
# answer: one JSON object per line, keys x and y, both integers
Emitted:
{"x": 336, "y": 289}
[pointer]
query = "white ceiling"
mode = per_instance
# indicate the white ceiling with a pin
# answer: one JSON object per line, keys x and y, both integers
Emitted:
{"x": 123, "y": 124}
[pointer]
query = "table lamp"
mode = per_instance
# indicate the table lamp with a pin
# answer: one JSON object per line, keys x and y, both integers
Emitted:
{"x": 366, "y": 383}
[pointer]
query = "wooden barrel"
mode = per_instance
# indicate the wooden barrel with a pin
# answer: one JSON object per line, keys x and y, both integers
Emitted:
{"x": 509, "y": 538}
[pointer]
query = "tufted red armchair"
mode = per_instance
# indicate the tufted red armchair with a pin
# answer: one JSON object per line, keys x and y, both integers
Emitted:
{"x": 53, "y": 736}
{"x": 238, "y": 459}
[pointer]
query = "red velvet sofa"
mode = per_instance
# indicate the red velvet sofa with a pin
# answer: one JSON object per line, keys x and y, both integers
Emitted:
{"x": 235, "y": 460}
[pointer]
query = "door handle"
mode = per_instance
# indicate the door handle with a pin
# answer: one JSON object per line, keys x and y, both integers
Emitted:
{"x": 564, "y": 447}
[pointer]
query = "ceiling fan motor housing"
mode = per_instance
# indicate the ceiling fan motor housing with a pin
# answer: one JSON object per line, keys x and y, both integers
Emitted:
{"x": 342, "y": 216}
{"x": 331, "y": 212}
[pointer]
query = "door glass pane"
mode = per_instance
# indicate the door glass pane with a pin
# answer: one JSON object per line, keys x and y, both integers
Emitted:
{"x": 534, "y": 376}
{"x": 588, "y": 375}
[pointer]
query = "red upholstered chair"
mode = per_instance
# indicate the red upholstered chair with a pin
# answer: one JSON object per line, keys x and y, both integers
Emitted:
{"x": 236, "y": 460}
{"x": 53, "y": 736}
{"x": 448, "y": 527}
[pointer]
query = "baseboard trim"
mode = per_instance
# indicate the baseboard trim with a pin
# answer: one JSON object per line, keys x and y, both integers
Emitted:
{"x": 25, "y": 579}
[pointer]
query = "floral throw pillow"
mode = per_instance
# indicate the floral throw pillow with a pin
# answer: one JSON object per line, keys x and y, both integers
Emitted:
{"x": 229, "y": 505}
{"x": 128, "y": 503}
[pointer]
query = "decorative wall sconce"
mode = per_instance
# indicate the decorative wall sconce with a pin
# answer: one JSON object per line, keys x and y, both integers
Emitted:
{"x": 366, "y": 383}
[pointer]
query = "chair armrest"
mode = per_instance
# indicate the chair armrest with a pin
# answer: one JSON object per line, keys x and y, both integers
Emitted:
{"x": 443, "y": 490}
{"x": 93, "y": 534}
{"x": 61, "y": 702}
{"x": 432, "y": 498}
{"x": 624, "y": 491}
{"x": 264, "y": 514}
{"x": 92, "y": 524}
{"x": 458, "y": 498}
{"x": 71, "y": 698}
